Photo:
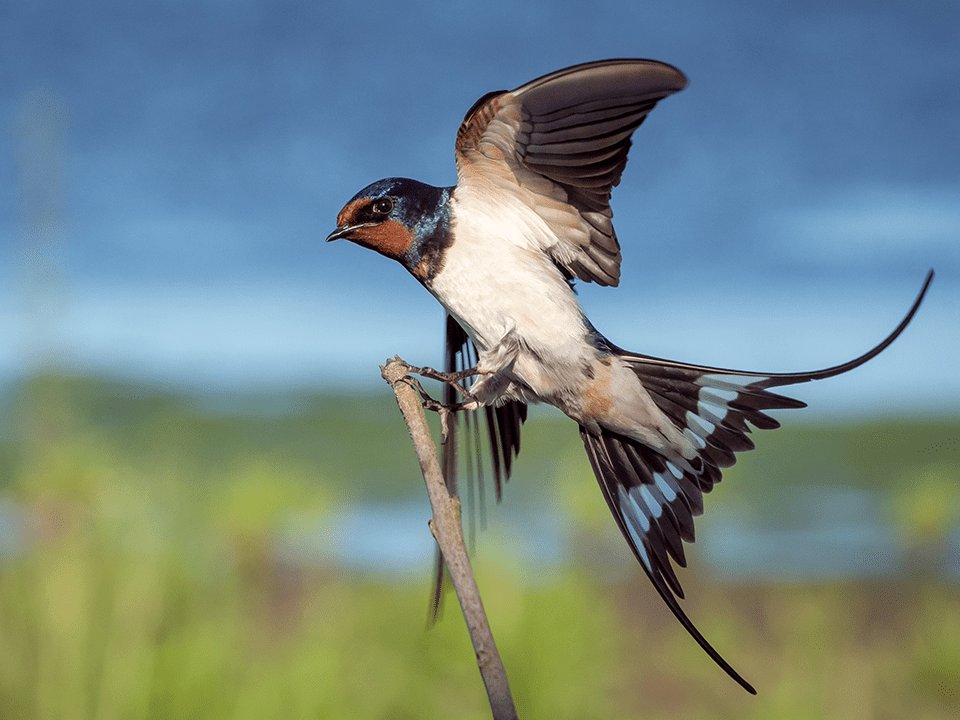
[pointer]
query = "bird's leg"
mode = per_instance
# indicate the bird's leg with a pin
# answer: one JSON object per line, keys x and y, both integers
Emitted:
{"x": 451, "y": 378}
{"x": 500, "y": 357}
{"x": 480, "y": 392}
{"x": 446, "y": 412}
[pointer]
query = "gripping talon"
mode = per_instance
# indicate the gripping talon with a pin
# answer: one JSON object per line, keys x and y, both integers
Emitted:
{"x": 451, "y": 378}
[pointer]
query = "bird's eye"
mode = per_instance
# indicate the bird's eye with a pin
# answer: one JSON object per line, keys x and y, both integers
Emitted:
{"x": 382, "y": 206}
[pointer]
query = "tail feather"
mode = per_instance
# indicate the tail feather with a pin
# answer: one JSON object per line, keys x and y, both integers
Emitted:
{"x": 626, "y": 511}
{"x": 654, "y": 499}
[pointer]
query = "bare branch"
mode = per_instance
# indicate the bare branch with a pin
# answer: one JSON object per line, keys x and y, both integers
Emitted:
{"x": 448, "y": 532}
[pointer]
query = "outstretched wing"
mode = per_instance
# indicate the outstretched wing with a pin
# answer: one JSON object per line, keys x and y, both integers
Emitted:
{"x": 559, "y": 144}
{"x": 655, "y": 500}
{"x": 503, "y": 425}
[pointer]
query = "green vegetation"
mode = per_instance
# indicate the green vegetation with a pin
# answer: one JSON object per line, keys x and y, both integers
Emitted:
{"x": 145, "y": 585}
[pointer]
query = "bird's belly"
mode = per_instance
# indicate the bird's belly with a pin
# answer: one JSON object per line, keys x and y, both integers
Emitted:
{"x": 506, "y": 306}
{"x": 515, "y": 301}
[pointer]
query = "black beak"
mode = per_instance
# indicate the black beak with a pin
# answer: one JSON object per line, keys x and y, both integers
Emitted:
{"x": 340, "y": 232}
{"x": 345, "y": 231}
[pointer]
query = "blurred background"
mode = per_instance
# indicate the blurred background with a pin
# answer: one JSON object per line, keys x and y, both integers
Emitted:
{"x": 208, "y": 503}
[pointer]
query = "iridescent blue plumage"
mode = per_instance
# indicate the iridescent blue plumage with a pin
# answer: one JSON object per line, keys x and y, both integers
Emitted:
{"x": 422, "y": 209}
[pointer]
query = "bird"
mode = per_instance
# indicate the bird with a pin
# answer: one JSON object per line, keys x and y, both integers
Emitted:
{"x": 502, "y": 250}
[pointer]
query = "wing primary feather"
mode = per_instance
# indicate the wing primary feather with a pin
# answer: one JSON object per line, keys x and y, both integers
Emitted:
{"x": 583, "y": 122}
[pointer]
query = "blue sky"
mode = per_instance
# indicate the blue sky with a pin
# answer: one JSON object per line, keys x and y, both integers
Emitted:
{"x": 779, "y": 214}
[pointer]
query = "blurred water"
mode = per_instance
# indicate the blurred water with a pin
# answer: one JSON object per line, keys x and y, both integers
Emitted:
{"x": 394, "y": 539}
{"x": 835, "y": 533}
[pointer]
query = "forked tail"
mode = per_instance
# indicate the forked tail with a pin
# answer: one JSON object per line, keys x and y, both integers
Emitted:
{"x": 655, "y": 500}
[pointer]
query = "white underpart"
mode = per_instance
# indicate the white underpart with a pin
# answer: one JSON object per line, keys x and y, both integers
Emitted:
{"x": 498, "y": 283}
{"x": 527, "y": 325}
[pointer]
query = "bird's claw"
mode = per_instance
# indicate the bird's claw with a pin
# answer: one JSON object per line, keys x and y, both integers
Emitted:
{"x": 454, "y": 379}
{"x": 446, "y": 412}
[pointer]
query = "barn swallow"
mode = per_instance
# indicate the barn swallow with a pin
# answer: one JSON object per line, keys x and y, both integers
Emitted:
{"x": 500, "y": 250}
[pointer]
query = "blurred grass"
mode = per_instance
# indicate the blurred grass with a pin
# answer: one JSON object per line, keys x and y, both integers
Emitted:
{"x": 146, "y": 583}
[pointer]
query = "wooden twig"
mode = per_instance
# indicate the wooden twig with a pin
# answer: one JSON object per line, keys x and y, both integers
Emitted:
{"x": 448, "y": 532}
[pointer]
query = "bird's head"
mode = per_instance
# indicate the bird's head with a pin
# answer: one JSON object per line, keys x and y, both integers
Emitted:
{"x": 402, "y": 219}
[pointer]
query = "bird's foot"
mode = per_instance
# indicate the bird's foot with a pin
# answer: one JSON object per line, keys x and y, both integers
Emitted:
{"x": 445, "y": 411}
{"x": 454, "y": 379}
